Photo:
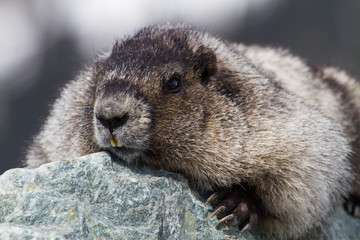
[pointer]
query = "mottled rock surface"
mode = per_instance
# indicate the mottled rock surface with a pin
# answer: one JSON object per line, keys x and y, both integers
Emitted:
{"x": 91, "y": 198}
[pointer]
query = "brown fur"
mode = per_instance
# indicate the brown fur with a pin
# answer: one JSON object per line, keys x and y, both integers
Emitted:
{"x": 243, "y": 115}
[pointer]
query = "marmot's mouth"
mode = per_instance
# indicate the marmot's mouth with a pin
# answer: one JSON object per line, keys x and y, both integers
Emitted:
{"x": 127, "y": 154}
{"x": 124, "y": 150}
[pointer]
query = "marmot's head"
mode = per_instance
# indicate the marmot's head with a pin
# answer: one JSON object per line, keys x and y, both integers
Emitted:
{"x": 158, "y": 93}
{"x": 152, "y": 93}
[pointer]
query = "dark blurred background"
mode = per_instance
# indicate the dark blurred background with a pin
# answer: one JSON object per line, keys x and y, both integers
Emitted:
{"x": 43, "y": 44}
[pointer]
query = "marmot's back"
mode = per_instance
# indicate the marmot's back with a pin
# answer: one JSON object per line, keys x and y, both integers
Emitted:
{"x": 269, "y": 134}
{"x": 328, "y": 89}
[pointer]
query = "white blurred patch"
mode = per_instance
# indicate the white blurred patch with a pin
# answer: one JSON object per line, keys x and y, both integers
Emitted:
{"x": 27, "y": 26}
{"x": 20, "y": 39}
{"x": 99, "y": 23}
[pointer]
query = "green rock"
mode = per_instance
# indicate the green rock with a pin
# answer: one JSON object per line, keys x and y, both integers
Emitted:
{"x": 92, "y": 198}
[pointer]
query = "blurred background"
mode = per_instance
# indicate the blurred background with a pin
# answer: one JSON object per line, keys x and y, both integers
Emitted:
{"x": 43, "y": 44}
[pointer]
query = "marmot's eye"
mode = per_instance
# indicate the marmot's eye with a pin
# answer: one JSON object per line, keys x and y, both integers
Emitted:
{"x": 173, "y": 84}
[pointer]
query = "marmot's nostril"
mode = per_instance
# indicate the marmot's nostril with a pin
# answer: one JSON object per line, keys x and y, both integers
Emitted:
{"x": 114, "y": 122}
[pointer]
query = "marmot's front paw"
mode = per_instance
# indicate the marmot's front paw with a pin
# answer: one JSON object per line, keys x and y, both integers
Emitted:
{"x": 235, "y": 206}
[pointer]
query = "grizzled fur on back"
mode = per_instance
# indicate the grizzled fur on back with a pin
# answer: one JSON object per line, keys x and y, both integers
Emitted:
{"x": 221, "y": 114}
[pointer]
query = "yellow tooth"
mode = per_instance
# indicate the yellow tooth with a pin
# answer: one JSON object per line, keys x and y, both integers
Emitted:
{"x": 113, "y": 142}
{"x": 119, "y": 144}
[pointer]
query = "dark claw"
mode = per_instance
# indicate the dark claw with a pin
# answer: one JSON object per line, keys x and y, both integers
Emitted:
{"x": 253, "y": 220}
{"x": 228, "y": 219}
{"x": 216, "y": 197}
{"x": 218, "y": 211}
{"x": 357, "y": 211}
{"x": 235, "y": 206}
{"x": 352, "y": 206}
{"x": 245, "y": 228}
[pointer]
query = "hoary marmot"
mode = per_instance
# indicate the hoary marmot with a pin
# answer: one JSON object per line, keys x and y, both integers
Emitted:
{"x": 275, "y": 139}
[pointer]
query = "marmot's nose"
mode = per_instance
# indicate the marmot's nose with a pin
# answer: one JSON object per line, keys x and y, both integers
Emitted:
{"x": 113, "y": 122}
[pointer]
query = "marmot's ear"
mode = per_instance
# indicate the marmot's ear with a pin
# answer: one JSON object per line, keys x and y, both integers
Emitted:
{"x": 205, "y": 65}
